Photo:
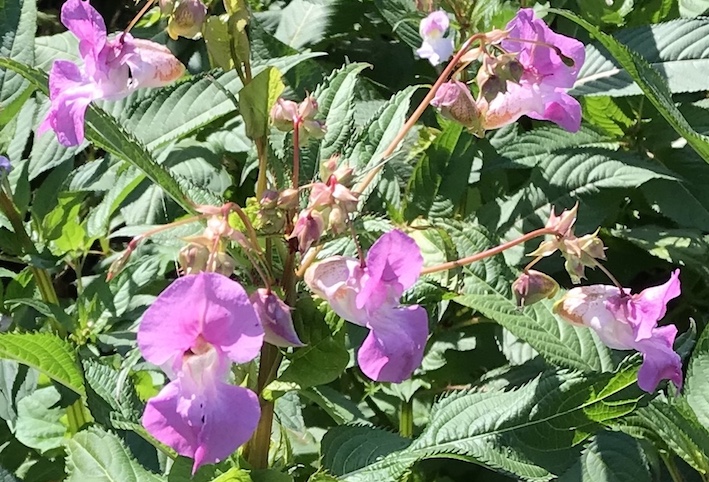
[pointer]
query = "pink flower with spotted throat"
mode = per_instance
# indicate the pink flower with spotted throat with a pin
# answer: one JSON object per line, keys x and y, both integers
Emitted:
{"x": 194, "y": 330}
{"x": 112, "y": 68}
{"x": 368, "y": 294}
{"x": 551, "y": 64}
{"x": 629, "y": 322}
{"x": 436, "y": 47}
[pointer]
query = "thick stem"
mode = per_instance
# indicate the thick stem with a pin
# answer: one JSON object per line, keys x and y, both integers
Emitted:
{"x": 262, "y": 166}
{"x": 406, "y": 418}
{"x": 487, "y": 253}
{"x": 296, "y": 154}
{"x": 417, "y": 113}
{"x": 260, "y": 443}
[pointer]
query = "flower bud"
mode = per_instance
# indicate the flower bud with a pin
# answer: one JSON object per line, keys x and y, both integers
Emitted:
{"x": 5, "y": 166}
{"x": 193, "y": 258}
{"x": 288, "y": 198}
{"x": 167, "y": 6}
{"x": 563, "y": 222}
{"x": 308, "y": 229}
{"x": 533, "y": 286}
{"x": 187, "y": 19}
{"x": 308, "y": 109}
{"x": 224, "y": 265}
{"x": 218, "y": 227}
{"x": 337, "y": 219}
{"x": 283, "y": 114}
{"x": 275, "y": 317}
{"x": 311, "y": 129}
{"x": 269, "y": 199}
{"x": 454, "y": 100}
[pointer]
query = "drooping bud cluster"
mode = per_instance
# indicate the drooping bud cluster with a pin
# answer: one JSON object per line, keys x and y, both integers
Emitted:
{"x": 286, "y": 115}
{"x": 329, "y": 205}
{"x": 184, "y": 17}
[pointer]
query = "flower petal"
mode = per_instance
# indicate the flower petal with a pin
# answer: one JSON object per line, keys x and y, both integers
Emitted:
{"x": 86, "y": 24}
{"x": 660, "y": 362}
{"x": 650, "y": 306}
{"x": 337, "y": 280}
{"x": 394, "y": 347}
{"x": 276, "y": 319}
{"x": 70, "y": 95}
{"x": 205, "y": 426}
{"x": 206, "y": 304}
{"x": 151, "y": 64}
{"x": 561, "y": 109}
{"x": 435, "y": 24}
{"x": 394, "y": 264}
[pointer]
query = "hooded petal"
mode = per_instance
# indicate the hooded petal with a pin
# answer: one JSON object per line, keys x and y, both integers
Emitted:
{"x": 394, "y": 264}
{"x": 337, "y": 281}
{"x": 434, "y": 25}
{"x": 650, "y": 306}
{"x": 207, "y": 426}
{"x": 660, "y": 362}
{"x": 507, "y": 107}
{"x": 561, "y": 109}
{"x": 70, "y": 94}
{"x": 151, "y": 64}
{"x": 436, "y": 50}
{"x": 86, "y": 24}
{"x": 394, "y": 347}
{"x": 206, "y": 304}
{"x": 276, "y": 319}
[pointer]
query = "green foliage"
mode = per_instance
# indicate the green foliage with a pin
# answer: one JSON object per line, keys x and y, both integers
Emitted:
{"x": 18, "y": 22}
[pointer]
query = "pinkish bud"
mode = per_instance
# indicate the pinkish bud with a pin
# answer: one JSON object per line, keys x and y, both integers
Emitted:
{"x": 283, "y": 115}
{"x": 308, "y": 229}
{"x": 308, "y": 109}
{"x": 311, "y": 129}
{"x": 337, "y": 219}
{"x": 563, "y": 222}
{"x": 269, "y": 199}
{"x": 275, "y": 317}
{"x": 454, "y": 100}
{"x": 218, "y": 227}
{"x": 193, "y": 258}
{"x": 167, "y": 6}
{"x": 187, "y": 19}
{"x": 533, "y": 286}
{"x": 288, "y": 198}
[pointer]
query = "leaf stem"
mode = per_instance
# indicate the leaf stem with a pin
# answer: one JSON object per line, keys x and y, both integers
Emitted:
{"x": 488, "y": 252}
{"x": 406, "y": 418}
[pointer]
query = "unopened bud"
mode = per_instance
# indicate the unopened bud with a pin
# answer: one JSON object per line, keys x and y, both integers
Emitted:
{"x": 276, "y": 319}
{"x": 118, "y": 265}
{"x": 533, "y": 286}
{"x": 5, "y": 166}
{"x": 337, "y": 220}
{"x": 563, "y": 223}
{"x": 581, "y": 253}
{"x": 308, "y": 229}
{"x": 193, "y": 258}
{"x": 311, "y": 129}
{"x": 187, "y": 19}
{"x": 269, "y": 199}
{"x": 166, "y": 6}
{"x": 288, "y": 198}
{"x": 283, "y": 114}
{"x": 454, "y": 100}
{"x": 308, "y": 109}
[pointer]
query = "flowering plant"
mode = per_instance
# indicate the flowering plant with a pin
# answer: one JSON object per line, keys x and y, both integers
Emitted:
{"x": 337, "y": 241}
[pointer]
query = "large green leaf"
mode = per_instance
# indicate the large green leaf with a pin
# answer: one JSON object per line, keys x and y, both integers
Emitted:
{"x": 18, "y": 23}
{"x": 113, "y": 402}
{"x": 678, "y": 50}
{"x": 38, "y": 420}
{"x": 47, "y": 353}
{"x": 403, "y": 19}
{"x": 650, "y": 82}
{"x": 487, "y": 289}
{"x": 304, "y": 23}
{"x": 696, "y": 388}
{"x": 100, "y": 456}
{"x": 530, "y": 432}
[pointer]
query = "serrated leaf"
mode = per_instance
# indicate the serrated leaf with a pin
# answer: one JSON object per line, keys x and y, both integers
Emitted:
{"x": 696, "y": 388}
{"x": 113, "y": 402}
{"x": 38, "y": 420}
{"x": 47, "y": 353}
{"x": 100, "y": 456}
{"x": 402, "y": 17}
{"x": 529, "y": 432}
{"x": 16, "y": 382}
{"x": 610, "y": 457}
{"x": 18, "y": 23}
{"x": 693, "y": 8}
{"x": 303, "y": 23}
{"x": 650, "y": 82}
{"x": 487, "y": 289}
{"x": 676, "y": 49}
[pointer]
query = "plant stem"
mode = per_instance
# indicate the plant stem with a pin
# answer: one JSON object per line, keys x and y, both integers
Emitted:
{"x": 296, "y": 153}
{"x": 262, "y": 166}
{"x": 145, "y": 8}
{"x": 406, "y": 418}
{"x": 672, "y": 468}
{"x": 487, "y": 253}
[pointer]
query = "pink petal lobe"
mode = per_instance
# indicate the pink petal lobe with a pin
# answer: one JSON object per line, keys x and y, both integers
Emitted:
{"x": 86, "y": 24}
{"x": 561, "y": 109}
{"x": 337, "y": 280}
{"x": 394, "y": 264}
{"x": 650, "y": 306}
{"x": 394, "y": 347}
{"x": 275, "y": 316}
{"x": 660, "y": 362}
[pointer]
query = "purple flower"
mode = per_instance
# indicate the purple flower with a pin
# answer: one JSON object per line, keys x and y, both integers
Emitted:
{"x": 629, "y": 322}
{"x": 5, "y": 165}
{"x": 368, "y": 295}
{"x": 551, "y": 64}
{"x": 195, "y": 329}
{"x": 112, "y": 69}
{"x": 436, "y": 48}
{"x": 275, "y": 318}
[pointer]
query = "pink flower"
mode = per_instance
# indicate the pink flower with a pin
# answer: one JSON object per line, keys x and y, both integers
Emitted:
{"x": 436, "y": 48}
{"x": 551, "y": 64}
{"x": 195, "y": 329}
{"x": 368, "y": 295}
{"x": 629, "y": 322}
{"x": 275, "y": 318}
{"x": 308, "y": 229}
{"x": 112, "y": 69}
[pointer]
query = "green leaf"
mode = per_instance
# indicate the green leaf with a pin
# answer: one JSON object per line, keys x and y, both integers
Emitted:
{"x": 256, "y": 100}
{"x": 113, "y": 405}
{"x": 47, "y": 353}
{"x": 676, "y": 49}
{"x": 529, "y": 432}
{"x": 696, "y": 387}
{"x": 403, "y": 18}
{"x": 610, "y": 457}
{"x": 16, "y": 382}
{"x": 38, "y": 420}
{"x": 18, "y": 23}
{"x": 441, "y": 176}
{"x": 100, "y": 456}
{"x": 487, "y": 289}
{"x": 604, "y": 113}
{"x": 649, "y": 81}
{"x": 304, "y": 23}
{"x": 693, "y": 8}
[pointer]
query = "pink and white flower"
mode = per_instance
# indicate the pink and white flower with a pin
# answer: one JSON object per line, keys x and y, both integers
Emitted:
{"x": 629, "y": 322}
{"x": 436, "y": 46}
{"x": 112, "y": 69}
{"x": 194, "y": 330}
{"x": 368, "y": 294}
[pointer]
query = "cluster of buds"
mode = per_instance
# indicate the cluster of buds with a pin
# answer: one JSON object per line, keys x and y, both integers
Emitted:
{"x": 184, "y": 17}
{"x": 287, "y": 115}
{"x": 273, "y": 209}
{"x": 532, "y": 286}
{"x": 329, "y": 205}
